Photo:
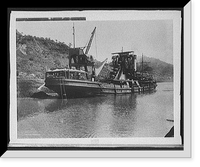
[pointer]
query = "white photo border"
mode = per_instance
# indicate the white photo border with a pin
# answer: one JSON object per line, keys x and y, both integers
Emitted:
{"x": 19, "y": 147}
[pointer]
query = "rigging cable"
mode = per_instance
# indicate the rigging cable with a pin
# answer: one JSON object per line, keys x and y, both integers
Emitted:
{"x": 96, "y": 44}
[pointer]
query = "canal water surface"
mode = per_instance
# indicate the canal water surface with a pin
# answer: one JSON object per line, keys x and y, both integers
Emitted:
{"x": 136, "y": 115}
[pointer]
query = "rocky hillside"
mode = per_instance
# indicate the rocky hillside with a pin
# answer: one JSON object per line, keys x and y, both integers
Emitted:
{"x": 35, "y": 55}
{"x": 161, "y": 71}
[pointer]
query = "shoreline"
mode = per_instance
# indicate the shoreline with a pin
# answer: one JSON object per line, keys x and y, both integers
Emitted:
{"x": 26, "y": 87}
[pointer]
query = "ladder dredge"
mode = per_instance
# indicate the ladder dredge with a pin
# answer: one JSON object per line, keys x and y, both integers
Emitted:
{"x": 77, "y": 81}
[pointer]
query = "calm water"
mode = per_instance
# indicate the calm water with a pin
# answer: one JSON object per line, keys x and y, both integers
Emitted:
{"x": 138, "y": 115}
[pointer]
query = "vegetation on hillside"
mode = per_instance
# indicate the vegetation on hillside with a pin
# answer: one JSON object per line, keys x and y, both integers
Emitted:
{"x": 36, "y": 55}
{"x": 161, "y": 71}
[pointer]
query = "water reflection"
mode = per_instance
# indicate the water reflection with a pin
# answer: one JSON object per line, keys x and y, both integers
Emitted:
{"x": 123, "y": 115}
{"x": 52, "y": 105}
{"x": 75, "y": 117}
{"x": 124, "y": 103}
{"x": 26, "y": 107}
{"x": 103, "y": 116}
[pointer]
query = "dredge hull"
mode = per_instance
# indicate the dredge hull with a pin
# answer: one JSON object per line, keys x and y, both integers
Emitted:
{"x": 66, "y": 88}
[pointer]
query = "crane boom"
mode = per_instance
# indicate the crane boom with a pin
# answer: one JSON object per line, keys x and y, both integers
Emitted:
{"x": 90, "y": 42}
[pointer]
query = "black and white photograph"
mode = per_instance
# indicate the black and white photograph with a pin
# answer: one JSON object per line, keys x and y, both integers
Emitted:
{"x": 66, "y": 90}
{"x": 96, "y": 79}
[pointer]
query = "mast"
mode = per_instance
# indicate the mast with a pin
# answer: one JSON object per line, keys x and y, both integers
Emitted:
{"x": 73, "y": 35}
{"x": 142, "y": 64}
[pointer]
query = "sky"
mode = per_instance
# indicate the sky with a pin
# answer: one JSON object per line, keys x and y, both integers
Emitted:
{"x": 152, "y": 38}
